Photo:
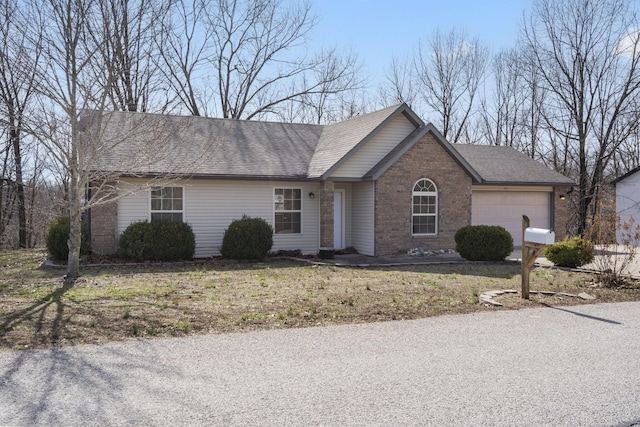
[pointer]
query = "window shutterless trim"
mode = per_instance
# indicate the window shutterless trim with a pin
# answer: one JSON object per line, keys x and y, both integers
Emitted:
{"x": 424, "y": 187}
{"x": 167, "y": 211}
{"x": 283, "y": 211}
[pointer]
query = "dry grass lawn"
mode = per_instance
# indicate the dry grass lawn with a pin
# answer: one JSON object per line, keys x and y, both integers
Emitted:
{"x": 113, "y": 303}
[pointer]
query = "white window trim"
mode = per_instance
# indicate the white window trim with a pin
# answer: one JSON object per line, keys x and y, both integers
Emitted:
{"x": 425, "y": 193}
{"x": 301, "y": 211}
{"x": 184, "y": 198}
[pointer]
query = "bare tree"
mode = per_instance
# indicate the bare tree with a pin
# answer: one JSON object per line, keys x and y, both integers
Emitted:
{"x": 338, "y": 76}
{"x": 512, "y": 113}
{"x": 627, "y": 157}
{"x": 248, "y": 59}
{"x": 250, "y": 42}
{"x": 502, "y": 113}
{"x": 126, "y": 33}
{"x": 587, "y": 55}
{"x": 81, "y": 136}
{"x": 7, "y": 189}
{"x": 19, "y": 56}
{"x": 183, "y": 49}
{"x": 69, "y": 86}
{"x": 399, "y": 84}
{"x": 450, "y": 70}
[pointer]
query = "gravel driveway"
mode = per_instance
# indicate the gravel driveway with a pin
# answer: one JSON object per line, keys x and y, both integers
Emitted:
{"x": 549, "y": 366}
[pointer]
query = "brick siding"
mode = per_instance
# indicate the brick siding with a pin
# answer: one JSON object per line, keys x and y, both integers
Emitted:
{"x": 426, "y": 159}
{"x": 104, "y": 220}
{"x": 326, "y": 214}
{"x": 560, "y": 212}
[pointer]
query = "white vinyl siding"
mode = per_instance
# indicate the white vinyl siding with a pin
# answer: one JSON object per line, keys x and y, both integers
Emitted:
{"x": 628, "y": 203}
{"x": 505, "y": 208}
{"x": 211, "y": 205}
{"x": 368, "y": 155}
{"x": 132, "y": 208}
{"x": 362, "y": 218}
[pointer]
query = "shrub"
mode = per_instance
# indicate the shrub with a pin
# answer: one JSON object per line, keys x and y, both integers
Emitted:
{"x": 58, "y": 235}
{"x": 483, "y": 242}
{"x": 570, "y": 252}
{"x": 160, "y": 240}
{"x": 247, "y": 238}
{"x": 616, "y": 259}
{"x": 136, "y": 241}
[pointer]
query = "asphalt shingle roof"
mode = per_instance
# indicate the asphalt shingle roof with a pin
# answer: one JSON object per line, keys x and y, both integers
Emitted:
{"x": 223, "y": 147}
{"x": 206, "y": 146}
{"x": 143, "y": 143}
{"x": 506, "y": 165}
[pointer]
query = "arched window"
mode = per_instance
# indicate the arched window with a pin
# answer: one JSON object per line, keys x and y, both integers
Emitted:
{"x": 424, "y": 208}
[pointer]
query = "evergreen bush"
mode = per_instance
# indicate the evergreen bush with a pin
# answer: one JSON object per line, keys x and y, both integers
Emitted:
{"x": 58, "y": 235}
{"x": 483, "y": 242}
{"x": 247, "y": 238}
{"x": 570, "y": 253}
{"x": 159, "y": 240}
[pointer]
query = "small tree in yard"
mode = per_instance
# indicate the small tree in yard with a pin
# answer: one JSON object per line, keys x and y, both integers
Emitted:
{"x": 76, "y": 87}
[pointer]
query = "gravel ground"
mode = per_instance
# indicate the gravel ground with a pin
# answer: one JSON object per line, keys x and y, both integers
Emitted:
{"x": 571, "y": 366}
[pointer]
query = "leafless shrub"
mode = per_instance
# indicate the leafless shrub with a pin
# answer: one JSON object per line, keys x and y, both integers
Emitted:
{"x": 613, "y": 261}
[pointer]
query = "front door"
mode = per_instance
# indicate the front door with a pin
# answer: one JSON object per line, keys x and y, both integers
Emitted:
{"x": 338, "y": 219}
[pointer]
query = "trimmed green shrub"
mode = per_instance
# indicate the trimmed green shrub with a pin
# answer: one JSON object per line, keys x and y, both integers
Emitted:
{"x": 483, "y": 243}
{"x": 570, "y": 253}
{"x": 136, "y": 241}
{"x": 247, "y": 238}
{"x": 58, "y": 235}
{"x": 158, "y": 240}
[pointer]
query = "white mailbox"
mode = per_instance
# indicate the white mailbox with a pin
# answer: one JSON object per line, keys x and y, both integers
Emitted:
{"x": 539, "y": 235}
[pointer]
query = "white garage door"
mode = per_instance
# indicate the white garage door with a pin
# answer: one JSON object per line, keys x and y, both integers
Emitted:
{"x": 505, "y": 208}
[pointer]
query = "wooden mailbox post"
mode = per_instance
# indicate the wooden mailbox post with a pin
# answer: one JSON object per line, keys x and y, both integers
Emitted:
{"x": 534, "y": 240}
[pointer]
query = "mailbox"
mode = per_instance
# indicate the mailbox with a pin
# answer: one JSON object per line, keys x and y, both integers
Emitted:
{"x": 539, "y": 235}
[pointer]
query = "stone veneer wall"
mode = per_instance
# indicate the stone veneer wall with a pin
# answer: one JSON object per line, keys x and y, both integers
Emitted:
{"x": 426, "y": 159}
{"x": 104, "y": 220}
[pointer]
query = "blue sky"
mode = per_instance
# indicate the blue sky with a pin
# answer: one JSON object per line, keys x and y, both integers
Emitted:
{"x": 376, "y": 29}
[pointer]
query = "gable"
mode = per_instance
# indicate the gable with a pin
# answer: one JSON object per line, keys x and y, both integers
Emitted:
{"x": 341, "y": 141}
{"x": 424, "y": 158}
{"x": 375, "y": 149}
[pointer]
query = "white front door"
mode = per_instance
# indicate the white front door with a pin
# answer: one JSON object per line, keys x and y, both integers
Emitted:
{"x": 338, "y": 219}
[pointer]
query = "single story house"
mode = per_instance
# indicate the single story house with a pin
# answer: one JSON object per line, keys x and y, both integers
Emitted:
{"x": 627, "y": 201}
{"x": 382, "y": 183}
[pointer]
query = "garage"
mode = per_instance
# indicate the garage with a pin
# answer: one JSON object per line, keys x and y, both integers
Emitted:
{"x": 505, "y": 208}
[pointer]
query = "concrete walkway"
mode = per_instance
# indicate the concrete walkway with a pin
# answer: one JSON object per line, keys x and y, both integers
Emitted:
{"x": 615, "y": 254}
{"x": 565, "y": 366}
{"x": 444, "y": 257}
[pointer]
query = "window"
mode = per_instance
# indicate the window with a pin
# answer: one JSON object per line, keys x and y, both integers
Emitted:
{"x": 166, "y": 204}
{"x": 288, "y": 209}
{"x": 425, "y": 207}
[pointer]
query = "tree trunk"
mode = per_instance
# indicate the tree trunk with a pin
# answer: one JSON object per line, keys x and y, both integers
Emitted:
{"x": 74, "y": 242}
{"x": 76, "y": 194}
{"x": 22, "y": 209}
